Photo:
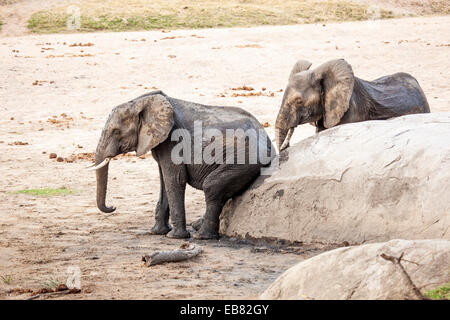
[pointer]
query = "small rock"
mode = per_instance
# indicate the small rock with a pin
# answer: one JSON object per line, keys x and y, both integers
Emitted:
{"x": 61, "y": 287}
{"x": 52, "y": 155}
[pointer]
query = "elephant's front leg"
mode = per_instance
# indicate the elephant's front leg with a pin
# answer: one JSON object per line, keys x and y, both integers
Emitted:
{"x": 175, "y": 180}
{"x": 162, "y": 210}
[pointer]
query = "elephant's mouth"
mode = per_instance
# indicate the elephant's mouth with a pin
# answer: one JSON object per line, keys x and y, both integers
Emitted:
{"x": 306, "y": 115}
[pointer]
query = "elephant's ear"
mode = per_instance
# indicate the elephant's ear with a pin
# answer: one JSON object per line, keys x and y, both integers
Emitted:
{"x": 299, "y": 66}
{"x": 156, "y": 118}
{"x": 337, "y": 81}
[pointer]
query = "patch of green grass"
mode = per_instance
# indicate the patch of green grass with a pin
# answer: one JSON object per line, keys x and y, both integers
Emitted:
{"x": 46, "y": 192}
{"x": 439, "y": 293}
{"x": 47, "y": 22}
{"x": 1, "y": 24}
{"x": 131, "y": 15}
{"x": 51, "y": 284}
{"x": 6, "y": 279}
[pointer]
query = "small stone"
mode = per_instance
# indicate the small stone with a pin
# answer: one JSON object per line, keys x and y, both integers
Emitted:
{"x": 52, "y": 155}
{"x": 61, "y": 287}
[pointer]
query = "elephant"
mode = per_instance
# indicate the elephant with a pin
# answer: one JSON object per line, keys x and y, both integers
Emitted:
{"x": 158, "y": 123}
{"x": 331, "y": 95}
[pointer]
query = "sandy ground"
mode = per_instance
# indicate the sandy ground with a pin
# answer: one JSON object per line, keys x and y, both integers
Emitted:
{"x": 43, "y": 77}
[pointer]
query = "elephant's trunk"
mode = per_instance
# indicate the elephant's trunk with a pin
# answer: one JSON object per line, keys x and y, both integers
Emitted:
{"x": 280, "y": 136}
{"x": 102, "y": 183}
{"x": 284, "y": 138}
{"x": 284, "y": 128}
{"x": 283, "y": 125}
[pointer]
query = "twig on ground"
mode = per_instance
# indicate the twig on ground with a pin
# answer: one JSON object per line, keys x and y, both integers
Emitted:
{"x": 185, "y": 252}
{"x": 397, "y": 262}
{"x": 57, "y": 293}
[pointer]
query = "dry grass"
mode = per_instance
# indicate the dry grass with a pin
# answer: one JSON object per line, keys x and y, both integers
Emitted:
{"x": 435, "y": 7}
{"x": 7, "y": 2}
{"x": 414, "y": 7}
{"x": 115, "y": 15}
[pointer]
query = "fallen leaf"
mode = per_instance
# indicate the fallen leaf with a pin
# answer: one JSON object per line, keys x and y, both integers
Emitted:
{"x": 244, "y": 87}
{"x": 249, "y": 46}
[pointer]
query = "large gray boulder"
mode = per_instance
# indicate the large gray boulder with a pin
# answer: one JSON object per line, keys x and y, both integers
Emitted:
{"x": 362, "y": 182}
{"x": 362, "y": 273}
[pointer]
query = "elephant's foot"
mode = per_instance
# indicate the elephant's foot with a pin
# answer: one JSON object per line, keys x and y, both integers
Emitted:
{"x": 161, "y": 229}
{"x": 178, "y": 233}
{"x": 205, "y": 233}
{"x": 197, "y": 224}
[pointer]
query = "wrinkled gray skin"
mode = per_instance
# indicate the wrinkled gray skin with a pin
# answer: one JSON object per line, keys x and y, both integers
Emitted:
{"x": 331, "y": 95}
{"x": 145, "y": 124}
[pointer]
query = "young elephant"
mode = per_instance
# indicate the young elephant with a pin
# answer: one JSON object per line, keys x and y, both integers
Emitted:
{"x": 181, "y": 135}
{"x": 331, "y": 95}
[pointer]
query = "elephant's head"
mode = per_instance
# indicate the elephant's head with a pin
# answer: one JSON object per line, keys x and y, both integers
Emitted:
{"x": 311, "y": 95}
{"x": 138, "y": 125}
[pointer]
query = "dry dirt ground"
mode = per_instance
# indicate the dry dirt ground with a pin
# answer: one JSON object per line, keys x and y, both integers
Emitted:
{"x": 55, "y": 97}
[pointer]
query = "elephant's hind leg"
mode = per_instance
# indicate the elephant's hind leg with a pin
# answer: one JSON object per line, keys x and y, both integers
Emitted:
{"x": 220, "y": 185}
{"x": 162, "y": 225}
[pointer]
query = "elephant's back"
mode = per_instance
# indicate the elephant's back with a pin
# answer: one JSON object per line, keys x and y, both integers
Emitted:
{"x": 399, "y": 92}
{"x": 227, "y": 122}
{"x": 223, "y": 116}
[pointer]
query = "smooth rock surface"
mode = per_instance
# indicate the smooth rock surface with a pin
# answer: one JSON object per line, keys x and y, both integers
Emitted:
{"x": 361, "y": 273}
{"x": 362, "y": 182}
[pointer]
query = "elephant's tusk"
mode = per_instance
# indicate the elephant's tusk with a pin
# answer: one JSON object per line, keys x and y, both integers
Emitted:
{"x": 288, "y": 138}
{"x": 100, "y": 165}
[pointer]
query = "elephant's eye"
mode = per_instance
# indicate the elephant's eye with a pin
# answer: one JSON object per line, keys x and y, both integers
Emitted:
{"x": 116, "y": 132}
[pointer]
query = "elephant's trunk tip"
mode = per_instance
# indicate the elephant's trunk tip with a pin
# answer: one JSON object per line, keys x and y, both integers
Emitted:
{"x": 105, "y": 209}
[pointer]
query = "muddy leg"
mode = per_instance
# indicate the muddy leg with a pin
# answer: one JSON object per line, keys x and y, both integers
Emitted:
{"x": 175, "y": 185}
{"x": 221, "y": 184}
{"x": 162, "y": 225}
{"x": 197, "y": 224}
